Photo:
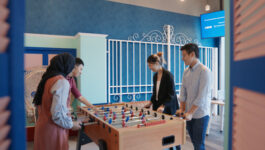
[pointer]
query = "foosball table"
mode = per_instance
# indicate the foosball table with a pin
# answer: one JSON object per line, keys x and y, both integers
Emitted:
{"x": 129, "y": 126}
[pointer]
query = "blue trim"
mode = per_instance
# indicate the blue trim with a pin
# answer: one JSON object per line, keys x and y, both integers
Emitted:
{"x": 249, "y": 74}
{"x": 46, "y": 51}
{"x": 45, "y": 59}
{"x": 4, "y": 75}
{"x": 15, "y": 53}
{"x": 101, "y": 104}
{"x": 231, "y": 103}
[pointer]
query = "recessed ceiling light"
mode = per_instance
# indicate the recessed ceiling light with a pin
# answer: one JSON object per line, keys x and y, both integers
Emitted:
{"x": 207, "y": 7}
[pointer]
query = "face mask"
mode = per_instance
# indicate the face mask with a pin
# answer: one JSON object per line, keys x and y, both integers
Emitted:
{"x": 157, "y": 67}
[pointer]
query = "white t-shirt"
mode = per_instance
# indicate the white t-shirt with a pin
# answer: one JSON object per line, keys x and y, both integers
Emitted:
{"x": 157, "y": 89}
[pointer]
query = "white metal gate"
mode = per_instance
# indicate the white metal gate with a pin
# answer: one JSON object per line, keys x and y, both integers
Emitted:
{"x": 130, "y": 79}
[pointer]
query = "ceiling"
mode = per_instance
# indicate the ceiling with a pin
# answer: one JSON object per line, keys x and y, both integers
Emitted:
{"x": 189, "y": 7}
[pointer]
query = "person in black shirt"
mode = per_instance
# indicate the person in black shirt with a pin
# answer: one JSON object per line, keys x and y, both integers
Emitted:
{"x": 164, "y": 97}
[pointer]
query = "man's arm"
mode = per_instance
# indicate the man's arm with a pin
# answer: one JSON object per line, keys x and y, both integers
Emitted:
{"x": 85, "y": 101}
{"x": 188, "y": 115}
{"x": 182, "y": 106}
{"x": 182, "y": 98}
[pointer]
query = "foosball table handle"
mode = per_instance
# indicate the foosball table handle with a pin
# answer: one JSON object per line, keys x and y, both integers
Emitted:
{"x": 180, "y": 115}
{"x": 83, "y": 124}
{"x": 151, "y": 123}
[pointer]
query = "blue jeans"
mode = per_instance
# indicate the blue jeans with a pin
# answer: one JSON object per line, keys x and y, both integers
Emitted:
{"x": 197, "y": 131}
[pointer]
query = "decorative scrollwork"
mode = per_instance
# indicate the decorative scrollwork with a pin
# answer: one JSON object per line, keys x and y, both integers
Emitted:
{"x": 130, "y": 97}
{"x": 134, "y": 37}
{"x": 116, "y": 98}
{"x": 154, "y": 36}
{"x": 162, "y": 37}
{"x": 181, "y": 38}
{"x": 137, "y": 96}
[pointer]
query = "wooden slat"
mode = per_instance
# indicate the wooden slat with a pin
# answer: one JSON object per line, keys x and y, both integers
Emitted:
{"x": 240, "y": 9}
{"x": 238, "y": 3}
{"x": 3, "y": 44}
{"x": 3, "y": 103}
{"x": 249, "y": 29}
{"x": 4, "y": 129}
{"x": 4, "y": 12}
{"x": 5, "y": 144}
{"x": 4, "y": 117}
{"x": 257, "y": 51}
{"x": 246, "y": 94}
{"x": 244, "y": 129}
{"x": 243, "y": 113}
{"x": 248, "y": 120}
{"x": 254, "y": 47}
{"x": 259, "y": 27}
{"x": 250, "y": 11}
{"x": 245, "y": 143}
{"x": 250, "y": 22}
{"x": 3, "y": 2}
{"x": 3, "y": 132}
{"x": 244, "y": 117}
{"x": 3, "y": 28}
{"x": 247, "y": 44}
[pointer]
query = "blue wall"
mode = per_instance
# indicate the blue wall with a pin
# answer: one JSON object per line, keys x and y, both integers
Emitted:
{"x": 99, "y": 16}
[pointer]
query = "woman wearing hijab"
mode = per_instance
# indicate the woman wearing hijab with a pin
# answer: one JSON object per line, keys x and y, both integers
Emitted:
{"x": 54, "y": 120}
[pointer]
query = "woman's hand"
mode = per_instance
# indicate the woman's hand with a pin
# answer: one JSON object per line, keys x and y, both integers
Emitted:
{"x": 160, "y": 109}
{"x": 179, "y": 113}
{"x": 188, "y": 116}
{"x": 148, "y": 105}
{"x": 76, "y": 125}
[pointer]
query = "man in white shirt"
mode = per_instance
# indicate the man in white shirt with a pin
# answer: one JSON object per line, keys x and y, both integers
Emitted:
{"x": 195, "y": 95}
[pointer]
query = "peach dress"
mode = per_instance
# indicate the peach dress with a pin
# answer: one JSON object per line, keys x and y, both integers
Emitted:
{"x": 48, "y": 135}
